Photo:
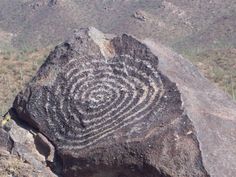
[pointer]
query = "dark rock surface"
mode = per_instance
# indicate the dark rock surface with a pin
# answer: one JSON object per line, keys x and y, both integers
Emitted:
{"x": 110, "y": 110}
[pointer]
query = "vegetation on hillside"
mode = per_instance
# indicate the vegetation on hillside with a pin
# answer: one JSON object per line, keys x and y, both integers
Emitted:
{"x": 16, "y": 69}
{"x": 219, "y": 66}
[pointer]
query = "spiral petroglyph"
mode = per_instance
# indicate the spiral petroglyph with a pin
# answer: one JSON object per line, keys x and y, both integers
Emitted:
{"x": 82, "y": 95}
{"x": 98, "y": 97}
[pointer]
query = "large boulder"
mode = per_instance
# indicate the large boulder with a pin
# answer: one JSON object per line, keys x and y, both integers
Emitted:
{"x": 111, "y": 110}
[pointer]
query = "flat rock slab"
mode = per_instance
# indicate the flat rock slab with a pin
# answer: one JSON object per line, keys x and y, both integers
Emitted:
{"x": 110, "y": 111}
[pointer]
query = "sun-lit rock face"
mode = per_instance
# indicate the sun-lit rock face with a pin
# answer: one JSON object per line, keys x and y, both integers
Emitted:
{"x": 110, "y": 111}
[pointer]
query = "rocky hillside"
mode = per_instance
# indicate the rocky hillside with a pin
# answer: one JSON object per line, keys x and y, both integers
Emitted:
{"x": 195, "y": 23}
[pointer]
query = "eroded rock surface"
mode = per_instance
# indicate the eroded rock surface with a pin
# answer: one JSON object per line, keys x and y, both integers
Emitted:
{"x": 111, "y": 111}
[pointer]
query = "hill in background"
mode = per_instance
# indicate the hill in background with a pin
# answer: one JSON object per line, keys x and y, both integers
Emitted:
{"x": 203, "y": 31}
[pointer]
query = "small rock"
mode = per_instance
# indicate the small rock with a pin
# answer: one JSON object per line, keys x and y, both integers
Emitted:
{"x": 140, "y": 15}
{"x": 45, "y": 147}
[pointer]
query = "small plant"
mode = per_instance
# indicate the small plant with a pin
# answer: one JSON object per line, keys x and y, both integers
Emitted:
{"x": 5, "y": 119}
